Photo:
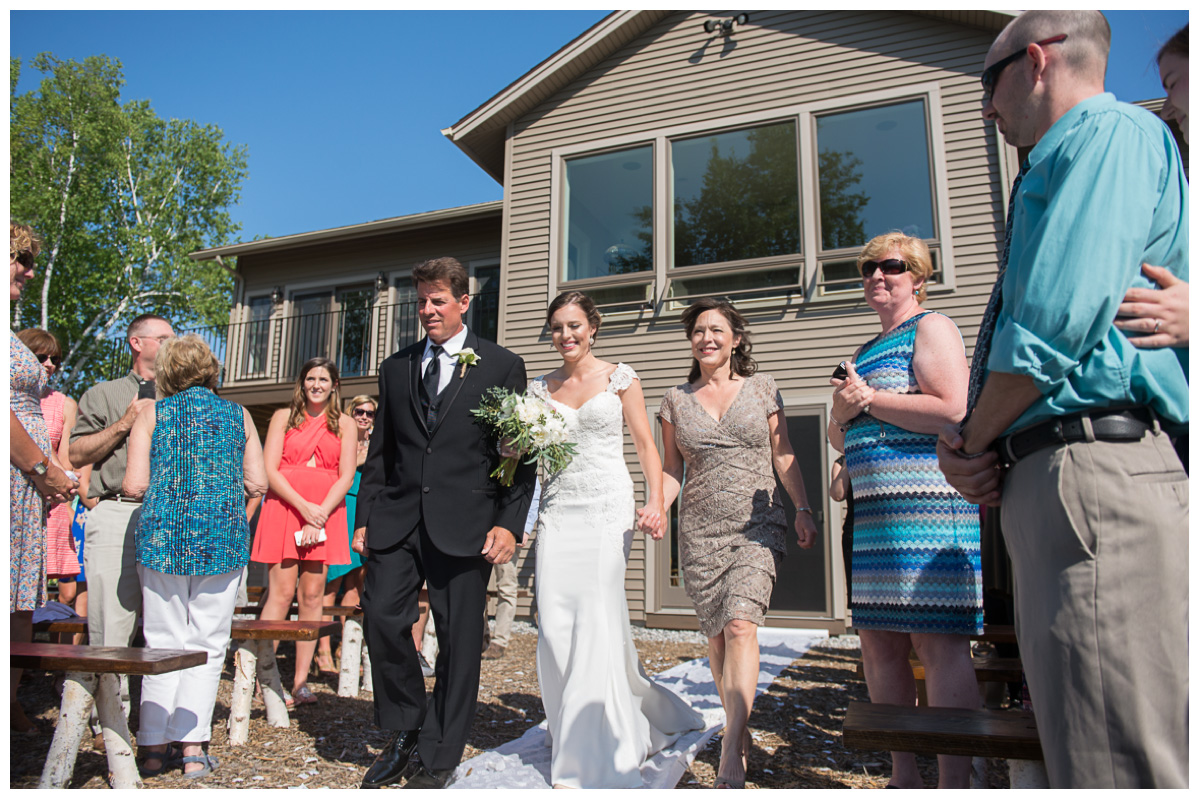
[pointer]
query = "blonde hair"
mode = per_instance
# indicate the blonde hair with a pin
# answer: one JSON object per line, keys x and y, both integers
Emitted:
{"x": 359, "y": 400}
{"x": 913, "y": 251}
{"x": 332, "y": 413}
{"x": 185, "y": 362}
{"x": 22, "y": 239}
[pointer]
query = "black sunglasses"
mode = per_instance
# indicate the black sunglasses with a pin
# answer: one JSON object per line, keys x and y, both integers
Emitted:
{"x": 992, "y": 73}
{"x": 889, "y": 266}
{"x": 363, "y": 412}
{"x": 25, "y": 259}
{"x": 44, "y": 357}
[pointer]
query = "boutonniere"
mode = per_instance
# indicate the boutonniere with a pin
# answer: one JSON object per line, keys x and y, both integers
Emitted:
{"x": 466, "y": 358}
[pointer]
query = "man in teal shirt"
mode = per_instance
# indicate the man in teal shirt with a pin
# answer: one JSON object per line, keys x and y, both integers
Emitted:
{"x": 1067, "y": 422}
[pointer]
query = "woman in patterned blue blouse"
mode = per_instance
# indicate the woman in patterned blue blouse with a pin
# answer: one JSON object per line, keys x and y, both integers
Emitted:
{"x": 196, "y": 458}
{"x": 916, "y": 581}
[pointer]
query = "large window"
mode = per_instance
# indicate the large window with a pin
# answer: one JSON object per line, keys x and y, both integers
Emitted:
{"x": 757, "y": 208}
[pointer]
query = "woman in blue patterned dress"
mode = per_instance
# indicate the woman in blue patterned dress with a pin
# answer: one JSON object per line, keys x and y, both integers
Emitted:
{"x": 196, "y": 458}
{"x": 916, "y": 581}
{"x": 34, "y": 477}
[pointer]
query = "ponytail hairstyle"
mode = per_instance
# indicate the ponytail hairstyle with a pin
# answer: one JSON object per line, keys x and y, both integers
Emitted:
{"x": 332, "y": 407}
{"x": 740, "y": 362}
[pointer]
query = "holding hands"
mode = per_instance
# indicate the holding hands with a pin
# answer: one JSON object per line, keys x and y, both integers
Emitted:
{"x": 652, "y": 520}
{"x": 851, "y": 396}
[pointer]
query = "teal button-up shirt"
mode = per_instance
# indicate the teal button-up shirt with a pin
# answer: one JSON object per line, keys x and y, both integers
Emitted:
{"x": 1105, "y": 192}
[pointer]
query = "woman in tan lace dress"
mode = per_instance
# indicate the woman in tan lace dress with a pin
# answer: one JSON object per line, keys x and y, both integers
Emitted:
{"x": 727, "y": 426}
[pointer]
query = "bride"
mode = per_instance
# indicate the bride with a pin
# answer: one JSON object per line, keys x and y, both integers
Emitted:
{"x": 605, "y": 717}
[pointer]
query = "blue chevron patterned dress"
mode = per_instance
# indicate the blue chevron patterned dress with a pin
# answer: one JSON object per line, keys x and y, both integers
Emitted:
{"x": 916, "y": 562}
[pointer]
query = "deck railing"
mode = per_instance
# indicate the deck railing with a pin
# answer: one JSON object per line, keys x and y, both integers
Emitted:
{"x": 271, "y": 350}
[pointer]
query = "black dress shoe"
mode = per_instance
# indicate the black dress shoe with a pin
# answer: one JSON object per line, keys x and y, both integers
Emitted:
{"x": 426, "y": 778}
{"x": 392, "y": 762}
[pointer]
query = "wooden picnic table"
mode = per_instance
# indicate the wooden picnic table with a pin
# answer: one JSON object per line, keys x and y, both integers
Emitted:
{"x": 82, "y": 664}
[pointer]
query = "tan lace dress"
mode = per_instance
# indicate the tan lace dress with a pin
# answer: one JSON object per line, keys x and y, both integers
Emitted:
{"x": 731, "y": 521}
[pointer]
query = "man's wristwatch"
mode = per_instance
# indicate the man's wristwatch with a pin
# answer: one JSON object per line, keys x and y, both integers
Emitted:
{"x": 39, "y": 469}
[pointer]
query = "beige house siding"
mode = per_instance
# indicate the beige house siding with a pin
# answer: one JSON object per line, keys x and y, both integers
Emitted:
{"x": 673, "y": 75}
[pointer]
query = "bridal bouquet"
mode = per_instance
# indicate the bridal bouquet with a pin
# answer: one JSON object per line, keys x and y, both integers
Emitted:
{"x": 531, "y": 426}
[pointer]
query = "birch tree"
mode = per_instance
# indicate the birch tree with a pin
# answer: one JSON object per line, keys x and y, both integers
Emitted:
{"x": 120, "y": 197}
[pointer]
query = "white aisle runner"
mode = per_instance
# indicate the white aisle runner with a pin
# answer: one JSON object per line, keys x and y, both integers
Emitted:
{"x": 524, "y": 763}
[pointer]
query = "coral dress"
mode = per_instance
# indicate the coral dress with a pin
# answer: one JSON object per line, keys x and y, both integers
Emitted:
{"x": 61, "y": 558}
{"x": 275, "y": 539}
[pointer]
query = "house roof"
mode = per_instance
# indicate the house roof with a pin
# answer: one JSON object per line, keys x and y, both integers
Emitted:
{"x": 481, "y": 133}
{"x": 426, "y": 219}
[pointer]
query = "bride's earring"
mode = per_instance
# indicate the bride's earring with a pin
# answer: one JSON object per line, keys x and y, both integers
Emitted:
{"x": 591, "y": 340}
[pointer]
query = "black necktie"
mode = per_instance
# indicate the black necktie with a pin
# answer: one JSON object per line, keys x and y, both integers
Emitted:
{"x": 429, "y": 385}
{"x": 987, "y": 326}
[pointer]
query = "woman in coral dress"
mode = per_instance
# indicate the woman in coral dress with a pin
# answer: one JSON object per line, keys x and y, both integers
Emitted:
{"x": 302, "y": 530}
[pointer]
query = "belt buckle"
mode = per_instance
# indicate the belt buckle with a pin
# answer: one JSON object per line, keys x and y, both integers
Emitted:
{"x": 1056, "y": 429}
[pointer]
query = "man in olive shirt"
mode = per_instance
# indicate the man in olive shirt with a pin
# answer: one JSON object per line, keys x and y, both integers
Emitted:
{"x": 106, "y": 414}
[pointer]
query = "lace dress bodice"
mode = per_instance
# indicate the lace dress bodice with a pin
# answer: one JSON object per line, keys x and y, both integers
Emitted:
{"x": 598, "y": 470}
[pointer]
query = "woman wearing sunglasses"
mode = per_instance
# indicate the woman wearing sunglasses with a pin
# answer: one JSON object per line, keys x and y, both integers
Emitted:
{"x": 349, "y": 577}
{"x": 916, "y": 581}
{"x": 62, "y": 561}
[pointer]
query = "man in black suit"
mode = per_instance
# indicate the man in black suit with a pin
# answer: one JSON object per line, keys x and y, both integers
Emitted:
{"x": 429, "y": 513}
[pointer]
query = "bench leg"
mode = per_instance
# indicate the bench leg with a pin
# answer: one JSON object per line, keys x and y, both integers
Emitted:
{"x": 78, "y": 698}
{"x": 245, "y": 667}
{"x": 268, "y": 677}
{"x": 352, "y": 646}
{"x": 368, "y": 682}
{"x": 117, "y": 741}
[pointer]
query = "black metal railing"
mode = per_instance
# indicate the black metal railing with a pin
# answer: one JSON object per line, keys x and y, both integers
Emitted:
{"x": 271, "y": 350}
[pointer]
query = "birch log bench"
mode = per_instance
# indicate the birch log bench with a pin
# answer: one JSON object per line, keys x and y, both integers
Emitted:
{"x": 978, "y": 733}
{"x": 85, "y": 667}
{"x": 255, "y": 659}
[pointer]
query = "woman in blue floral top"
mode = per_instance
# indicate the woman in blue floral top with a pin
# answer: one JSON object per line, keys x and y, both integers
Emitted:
{"x": 196, "y": 458}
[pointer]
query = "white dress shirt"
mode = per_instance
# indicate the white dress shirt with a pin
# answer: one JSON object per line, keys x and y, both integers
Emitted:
{"x": 450, "y": 350}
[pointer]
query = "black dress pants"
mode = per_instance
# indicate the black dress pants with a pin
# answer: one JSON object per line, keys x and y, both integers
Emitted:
{"x": 457, "y": 597}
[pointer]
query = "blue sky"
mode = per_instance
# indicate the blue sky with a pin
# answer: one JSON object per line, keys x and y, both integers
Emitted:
{"x": 342, "y": 111}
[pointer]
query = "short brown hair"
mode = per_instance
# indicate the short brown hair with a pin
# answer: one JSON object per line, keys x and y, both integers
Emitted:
{"x": 22, "y": 240}
{"x": 184, "y": 362}
{"x": 40, "y": 342}
{"x": 740, "y": 362}
{"x": 139, "y": 323}
{"x": 913, "y": 250}
{"x": 585, "y": 303}
{"x": 447, "y": 270}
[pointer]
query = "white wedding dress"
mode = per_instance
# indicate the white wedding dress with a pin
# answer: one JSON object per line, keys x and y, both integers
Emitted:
{"x": 604, "y": 716}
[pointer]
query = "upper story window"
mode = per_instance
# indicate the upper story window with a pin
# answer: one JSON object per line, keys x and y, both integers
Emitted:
{"x": 769, "y": 207}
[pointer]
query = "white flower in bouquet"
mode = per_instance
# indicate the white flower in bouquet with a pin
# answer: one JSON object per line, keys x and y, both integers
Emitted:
{"x": 530, "y": 426}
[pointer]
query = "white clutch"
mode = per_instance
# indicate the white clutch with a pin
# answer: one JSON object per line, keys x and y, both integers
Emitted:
{"x": 300, "y": 536}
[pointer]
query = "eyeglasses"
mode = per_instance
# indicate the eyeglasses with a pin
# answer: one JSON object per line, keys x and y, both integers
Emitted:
{"x": 160, "y": 339}
{"x": 44, "y": 357}
{"x": 992, "y": 73}
{"x": 889, "y": 266}
{"x": 364, "y": 412}
{"x": 24, "y": 258}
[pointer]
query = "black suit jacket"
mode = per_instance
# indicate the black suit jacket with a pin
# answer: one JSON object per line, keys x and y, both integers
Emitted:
{"x": 440, "y": 475}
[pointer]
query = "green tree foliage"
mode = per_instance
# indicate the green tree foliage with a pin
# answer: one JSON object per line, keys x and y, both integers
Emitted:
{"x": 120, "y": 196}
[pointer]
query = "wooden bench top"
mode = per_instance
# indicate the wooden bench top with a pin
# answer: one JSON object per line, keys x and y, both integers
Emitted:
{"x": 336, "y": 611}
{"x": 86, "y": 658}
{"x": 997, "y": 634}
{"x": 950, "y": 731}
{"x": 987, "y": 669}
{"x": 283, "y": 630}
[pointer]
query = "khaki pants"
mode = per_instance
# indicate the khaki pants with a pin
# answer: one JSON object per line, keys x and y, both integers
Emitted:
{"x": 504, "y": 581}
{"x": 1098, "y": 535}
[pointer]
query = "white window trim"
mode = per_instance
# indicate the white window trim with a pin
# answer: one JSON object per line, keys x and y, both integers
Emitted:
{"x": 659, "y": 139}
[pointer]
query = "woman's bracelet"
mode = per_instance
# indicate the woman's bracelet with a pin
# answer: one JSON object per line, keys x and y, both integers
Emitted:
{"x": 804, "y": 508}
{"x": 834, "y": 420}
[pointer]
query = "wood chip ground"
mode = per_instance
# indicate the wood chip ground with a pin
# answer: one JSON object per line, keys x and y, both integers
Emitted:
{"x": 796, "y": 729}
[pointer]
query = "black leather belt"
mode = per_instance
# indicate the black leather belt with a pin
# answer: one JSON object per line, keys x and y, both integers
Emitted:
{"x": 1108, "y": 425}
{"x": 119, "y": 498}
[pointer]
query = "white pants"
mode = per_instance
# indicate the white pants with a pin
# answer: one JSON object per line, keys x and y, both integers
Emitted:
{"x": 184, "y": 612}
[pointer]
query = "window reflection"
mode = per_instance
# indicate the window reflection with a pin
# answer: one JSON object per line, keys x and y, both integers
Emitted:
{"x": 609, "y": 200}
{"x": 737, "y": 195}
